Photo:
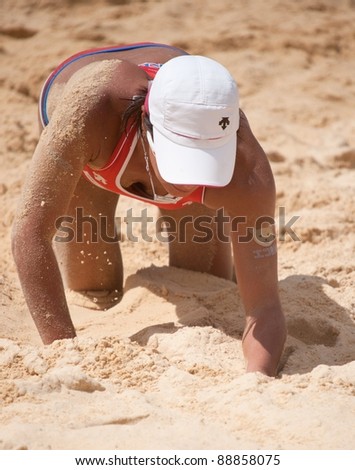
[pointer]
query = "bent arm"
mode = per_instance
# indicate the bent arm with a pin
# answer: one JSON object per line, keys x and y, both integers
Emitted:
{"x": 255, "y": 257}
{"x": 250, "y": 201}
{"x": 56, "y": 167}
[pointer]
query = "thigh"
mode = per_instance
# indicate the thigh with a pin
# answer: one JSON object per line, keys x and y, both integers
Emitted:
{"x": 199, "y": 240}
{"x": 86, "y": 245}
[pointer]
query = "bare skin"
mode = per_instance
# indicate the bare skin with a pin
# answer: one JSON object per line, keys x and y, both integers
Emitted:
{"x": 55, "y": 187}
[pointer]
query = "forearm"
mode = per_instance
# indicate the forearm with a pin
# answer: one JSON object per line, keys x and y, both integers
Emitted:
{"x": 43, "y": 289}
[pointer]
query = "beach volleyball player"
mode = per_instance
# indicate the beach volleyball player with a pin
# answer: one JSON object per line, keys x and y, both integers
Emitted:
{"x": 151, "y": 122}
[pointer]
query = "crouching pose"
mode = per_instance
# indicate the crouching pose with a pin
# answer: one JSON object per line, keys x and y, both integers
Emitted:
{"x": 151, "y": 122}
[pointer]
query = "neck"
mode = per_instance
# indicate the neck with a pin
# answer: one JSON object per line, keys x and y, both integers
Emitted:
{"x": 168, "y": 198}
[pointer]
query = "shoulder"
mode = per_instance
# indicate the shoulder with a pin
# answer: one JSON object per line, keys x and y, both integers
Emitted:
{"x": 99, "y": 82}
{"x": 252, "y": 187}
{"x": 84, "y": 92}
{"x": 98, "y": 89}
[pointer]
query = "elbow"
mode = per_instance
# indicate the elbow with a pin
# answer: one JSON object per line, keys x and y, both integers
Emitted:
{"x": 18, "y": 244}
{"x": 23, "y": 242}
{"x": 29, "y": 242}
{"x": 30, "y": 239}
{"x": 15, "y": 241}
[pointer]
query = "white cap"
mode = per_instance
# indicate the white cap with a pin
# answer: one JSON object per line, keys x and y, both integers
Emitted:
{"x": 194, "y": 109}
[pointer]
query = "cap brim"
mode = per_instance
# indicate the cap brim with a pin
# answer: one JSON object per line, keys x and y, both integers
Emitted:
{"x": 178, "y": 164}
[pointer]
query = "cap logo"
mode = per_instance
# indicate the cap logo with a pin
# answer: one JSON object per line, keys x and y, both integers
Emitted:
{"x": 224, "y": 122}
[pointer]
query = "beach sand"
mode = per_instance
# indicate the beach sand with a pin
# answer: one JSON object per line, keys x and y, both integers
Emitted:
{"x": 164, "y": 368}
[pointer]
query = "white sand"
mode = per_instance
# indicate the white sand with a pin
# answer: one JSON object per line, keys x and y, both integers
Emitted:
{"x": 164, "y": 368}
